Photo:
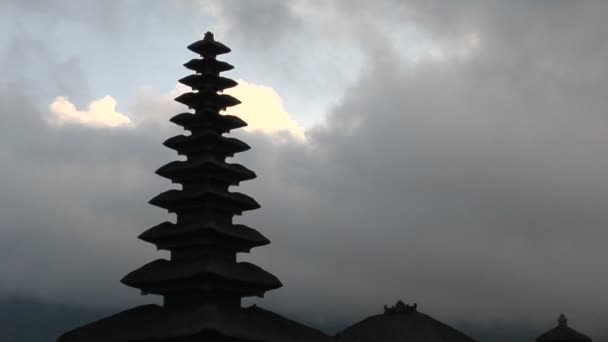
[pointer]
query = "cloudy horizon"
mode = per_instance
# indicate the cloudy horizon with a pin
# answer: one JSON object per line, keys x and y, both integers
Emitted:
{"x": 449, "y": 154}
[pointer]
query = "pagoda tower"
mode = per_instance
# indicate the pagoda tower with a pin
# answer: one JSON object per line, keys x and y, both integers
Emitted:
{"x": 204, "y": 242}
{"x": 202, "y": 283}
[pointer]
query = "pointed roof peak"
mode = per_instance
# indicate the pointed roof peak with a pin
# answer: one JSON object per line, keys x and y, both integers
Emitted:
{"x": 401, "y": 322}
{"x": 562, "y": 333}
{"x": 562, "y": 320}
{"x": 208, "y": 47}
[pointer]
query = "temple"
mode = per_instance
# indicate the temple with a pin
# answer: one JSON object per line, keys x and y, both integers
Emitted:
{"x": 202, "y": 283}
{"x": 401, "y": 322}
{"x": 562, "y": 333}
{"x": 204, "y": 241}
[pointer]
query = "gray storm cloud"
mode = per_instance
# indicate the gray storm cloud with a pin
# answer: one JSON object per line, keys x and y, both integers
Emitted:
{"x": 476, "y": 187}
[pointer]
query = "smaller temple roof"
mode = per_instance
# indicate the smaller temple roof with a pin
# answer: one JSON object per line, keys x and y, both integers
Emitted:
{"x": 562, "y": 333}
{"x": 401, "y": 322}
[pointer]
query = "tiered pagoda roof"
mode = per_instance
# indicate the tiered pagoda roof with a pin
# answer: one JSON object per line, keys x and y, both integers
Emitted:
{"x": 202, "y": 283}
{"x": 204, "y": 241}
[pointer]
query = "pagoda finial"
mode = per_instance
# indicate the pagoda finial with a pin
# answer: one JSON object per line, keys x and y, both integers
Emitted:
{"x": 208, "y": 47}
{"x": 562, "y": 320}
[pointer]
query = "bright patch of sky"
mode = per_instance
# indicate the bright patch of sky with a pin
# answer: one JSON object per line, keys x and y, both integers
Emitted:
{"x": 122, "y": 67}
{"x": 309, "y": 77}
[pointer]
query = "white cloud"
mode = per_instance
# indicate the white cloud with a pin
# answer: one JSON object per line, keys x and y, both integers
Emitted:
{"x": 99, "y": 113}
{"x": 488, "y": 175}
{"x": 262, "y": 109}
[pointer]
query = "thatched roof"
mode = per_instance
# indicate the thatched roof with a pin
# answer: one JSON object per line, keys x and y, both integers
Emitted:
{"x": 157, "y": 323}
{"x": 562, "y": 333}
{"x": 401, "y": 325}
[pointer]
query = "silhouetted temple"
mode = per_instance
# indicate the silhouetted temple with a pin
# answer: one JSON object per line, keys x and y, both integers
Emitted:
{"x": 562, "y": 333}
{"x": 401, "y": 322}
{"x": 202, "y": 284}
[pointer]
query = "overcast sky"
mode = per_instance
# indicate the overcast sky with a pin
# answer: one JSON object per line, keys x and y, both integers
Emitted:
{"x": 449, "y": 153}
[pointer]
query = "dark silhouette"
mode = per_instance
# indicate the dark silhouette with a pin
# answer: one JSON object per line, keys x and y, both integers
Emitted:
{"x": 202, "y": 284}
{"x": 562, "y": 333}
{"x": 401, "y": 322}
{"x": 400, "y": 308}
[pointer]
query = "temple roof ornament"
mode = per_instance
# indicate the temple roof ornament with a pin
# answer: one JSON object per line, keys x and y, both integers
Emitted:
{"x": 400, "y": 308}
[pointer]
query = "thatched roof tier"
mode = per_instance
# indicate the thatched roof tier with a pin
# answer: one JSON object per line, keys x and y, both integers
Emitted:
{"x": 206, "y": 167}
{"x": 202, "y": 275}
{"x": 206, "y": 141}
{"x": 178, "y": 200}
{"x": 208, "y": 82}
{"x": 208, "y": 66}
{"x": 210, "y": 120}
{"x": 208, "y": 47}
{"x": 207, "y": 100}
{"x": 169, "y": 235}
{"x": 209, "y": 322}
